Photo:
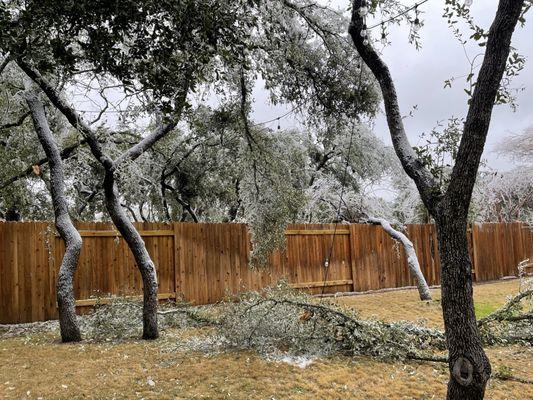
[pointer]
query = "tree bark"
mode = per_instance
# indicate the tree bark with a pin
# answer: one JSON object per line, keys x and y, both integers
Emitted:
{"x": 68, "y": 324}
{"x": 468, "y": 364}
{"x": 412, "y": 259}
{"x": 125, "y": 227}
{"x": 142, "y": 258}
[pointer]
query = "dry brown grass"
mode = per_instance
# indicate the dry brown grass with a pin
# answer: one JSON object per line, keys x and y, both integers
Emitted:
{"x": 38, "y": 366}
{"x": 406, "y": 305}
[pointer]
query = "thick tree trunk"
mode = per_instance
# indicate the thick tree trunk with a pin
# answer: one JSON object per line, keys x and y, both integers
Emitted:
{"x": 142, "y": 258}
{"x": 68, "y": 325}
{"x": 412, "y": 259}
{"x": 469, "y": 366}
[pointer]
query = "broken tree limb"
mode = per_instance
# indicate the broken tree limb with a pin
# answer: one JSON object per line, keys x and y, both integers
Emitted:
{"x": 505, "y": 313}
{"x": 412, "y": 259}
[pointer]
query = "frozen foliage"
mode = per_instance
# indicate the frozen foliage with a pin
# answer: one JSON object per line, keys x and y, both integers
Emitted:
{"x": 504, "y": 196}
{"x": 518, "y": 147}
{"x": 507, "y": 196}
{"x": 512, "y": 323}
{"x": 121, "y": 319}
{"x": 271, "y": 197}
{"x": 347, "y": 159}
{"x": 279, "y": 321}
{"x": 15, "y": 330}
{"x": 282, "y": 324}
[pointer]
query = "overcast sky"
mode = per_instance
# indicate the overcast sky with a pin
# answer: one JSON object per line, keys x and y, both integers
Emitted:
{"x": 420, "y": 76}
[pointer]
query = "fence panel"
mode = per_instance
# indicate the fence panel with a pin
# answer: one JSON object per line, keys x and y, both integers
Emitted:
{"x": 203, "y": 263}
{"x": 498, "y": 248}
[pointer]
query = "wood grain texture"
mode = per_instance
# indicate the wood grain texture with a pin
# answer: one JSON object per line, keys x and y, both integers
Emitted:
{"x": 206, "y": 263}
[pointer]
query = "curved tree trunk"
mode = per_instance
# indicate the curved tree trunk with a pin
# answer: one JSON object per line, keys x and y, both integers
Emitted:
{"x": 68, "y": 325}
{"x": 412, "y": 259}
{"x": 121, "y": 221}
{"x": 142, "y": 258}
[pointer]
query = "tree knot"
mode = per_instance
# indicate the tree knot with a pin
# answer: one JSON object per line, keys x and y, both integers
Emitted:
{"x": 463, "y": 371}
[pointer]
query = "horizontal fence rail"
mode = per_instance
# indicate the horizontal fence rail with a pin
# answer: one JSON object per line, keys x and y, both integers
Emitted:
{"x": 205, "y": 263}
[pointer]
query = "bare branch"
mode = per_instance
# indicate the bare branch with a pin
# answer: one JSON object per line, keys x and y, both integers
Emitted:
{"x": 412, "y": 259}
{"x": 72, "y": 116}
{"x": 413, "y": 166}
{"x": 144, "y": 144}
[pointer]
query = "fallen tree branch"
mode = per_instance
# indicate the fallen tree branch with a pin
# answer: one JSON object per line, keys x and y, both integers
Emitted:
{"x": 505, "y": 313}
{"x": 278, "y": 318}
{"x": 513, "y": 379}
{"x": 412, "y": 259}
{"x": 190, "y": 314}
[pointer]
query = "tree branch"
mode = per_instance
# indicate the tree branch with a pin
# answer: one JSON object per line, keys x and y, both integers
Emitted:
{"x": 72, "y": 116}
{"x": 503, "y": 313}
{"x": 413, "y": 166}
{"x": 18, "y": 122}
{"x": 65, "y": 153}
{"x": 482, "y": 102}
{"x": 412, "y": 259}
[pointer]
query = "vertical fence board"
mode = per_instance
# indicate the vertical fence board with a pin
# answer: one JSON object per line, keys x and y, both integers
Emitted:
{"x": 203, "y": 263}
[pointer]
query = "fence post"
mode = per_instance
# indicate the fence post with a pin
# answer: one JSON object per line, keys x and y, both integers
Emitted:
{"x": 474, "y": 251}
{"x": 177, "y": 269}
{"x": 353, "y": 256}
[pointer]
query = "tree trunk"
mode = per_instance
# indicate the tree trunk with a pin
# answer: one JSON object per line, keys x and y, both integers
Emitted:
{"x": 124, "y": 226}
{"x": 412, "y": 259}
{"x": 469, "y": 366}
{"x": 68, "y": 325}
{"x": 142, "y": 258}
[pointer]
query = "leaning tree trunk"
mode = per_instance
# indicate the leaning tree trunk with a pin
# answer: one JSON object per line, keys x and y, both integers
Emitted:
{"x": 142, "y": 258}
{"x": 68, "y": 325}
{"x": 412, "y": 259}
{"x": 469, "y": 366}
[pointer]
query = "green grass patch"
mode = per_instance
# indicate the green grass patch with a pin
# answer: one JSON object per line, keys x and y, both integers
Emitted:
{"x": 484, "y": 309}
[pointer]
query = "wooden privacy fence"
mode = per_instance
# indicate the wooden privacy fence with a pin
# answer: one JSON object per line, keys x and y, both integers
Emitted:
{"x": 202, "y": 263}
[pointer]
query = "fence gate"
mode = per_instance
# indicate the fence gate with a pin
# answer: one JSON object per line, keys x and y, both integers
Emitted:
{"x": 308, "y": 248}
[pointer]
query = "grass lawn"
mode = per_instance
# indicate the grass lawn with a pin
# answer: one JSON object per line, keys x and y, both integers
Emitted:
{"x": 405, "y": 304}
{"x": 36, "y": 365}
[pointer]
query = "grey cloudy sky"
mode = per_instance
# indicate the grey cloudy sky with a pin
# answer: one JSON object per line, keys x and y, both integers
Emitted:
{"x": 420, "y": 76}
